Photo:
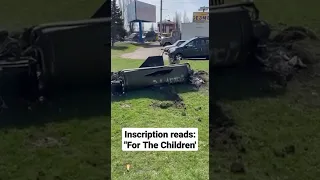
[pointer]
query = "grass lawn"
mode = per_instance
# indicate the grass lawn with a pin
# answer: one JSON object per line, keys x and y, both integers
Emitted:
{"x": 138, "y": 113}
{"x": 269, "y": 123}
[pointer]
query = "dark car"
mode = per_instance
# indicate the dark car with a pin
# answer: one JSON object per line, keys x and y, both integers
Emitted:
{"x": 133, "y": 37}
{"x": 195, "y": 48}
{"x": 150, "y": 36}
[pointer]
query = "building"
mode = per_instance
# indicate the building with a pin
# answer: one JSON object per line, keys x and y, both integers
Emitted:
{"x": 167, "y": 26}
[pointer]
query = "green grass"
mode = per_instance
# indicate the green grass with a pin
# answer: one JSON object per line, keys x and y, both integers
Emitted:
{"x": 269, "y": 122}
{"x": 159, "y": 165}
{"x": 18, "y": 14}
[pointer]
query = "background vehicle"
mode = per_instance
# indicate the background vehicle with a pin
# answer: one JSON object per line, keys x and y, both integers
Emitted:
{"x": 133, "y": 37}
{"x": 188, "y": 30}
{"x": 176, "y": 44}
{"x": 197, "y": 47}
{"x": 150, "y": 36}
{"x": 166, "y": 41}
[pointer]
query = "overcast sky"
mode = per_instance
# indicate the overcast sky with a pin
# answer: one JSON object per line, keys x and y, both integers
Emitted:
{"x": 170, "y": 7}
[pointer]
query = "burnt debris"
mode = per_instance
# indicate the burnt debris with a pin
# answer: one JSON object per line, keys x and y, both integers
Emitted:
{"x": 47, "y": 58}
{"x": 155, "y": 74}
{"x": 279, "y": 56}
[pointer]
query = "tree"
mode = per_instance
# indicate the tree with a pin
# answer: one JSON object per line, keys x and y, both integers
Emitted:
{"x": 117, "y": 30}
{"x": 185, "y": 17}
{"x": 123, "y": 6}
{"x": 177, "y": 20}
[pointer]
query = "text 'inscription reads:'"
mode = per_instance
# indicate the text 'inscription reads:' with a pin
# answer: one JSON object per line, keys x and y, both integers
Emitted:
{"x": 159, "y": 139}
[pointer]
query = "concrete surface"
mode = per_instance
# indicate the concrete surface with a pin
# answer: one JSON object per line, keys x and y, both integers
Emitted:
{"x": 143, "y": 52}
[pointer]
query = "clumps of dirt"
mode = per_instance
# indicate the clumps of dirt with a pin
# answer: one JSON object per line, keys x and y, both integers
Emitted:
{"x": 294, "y": 33}
{"x": 172, "y": 98}
{"x": 169, "y": 93}
{"x": 285, "y": 151}
{"x": 167, "y": 104}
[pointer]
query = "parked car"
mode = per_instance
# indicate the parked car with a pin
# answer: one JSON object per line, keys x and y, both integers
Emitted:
{"x": 133, "y": 37}
{"x": 163, "y": 35}
{"x": 150, "y": 36}
{"x": 171, "y": 38}
{"x": 176, "y": 44}
{"x": 197, "y": 47}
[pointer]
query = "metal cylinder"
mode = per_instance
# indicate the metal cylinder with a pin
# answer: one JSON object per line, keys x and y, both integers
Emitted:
{"x": 150, "y": 76}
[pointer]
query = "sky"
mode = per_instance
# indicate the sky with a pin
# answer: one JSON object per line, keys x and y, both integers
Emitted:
{"x": 170, "y": 7}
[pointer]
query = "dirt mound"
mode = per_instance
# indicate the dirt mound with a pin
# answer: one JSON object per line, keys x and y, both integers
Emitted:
{"x": 292, "y": 53}
{"x": 294, "y": 33}
{"x": 288, "y": 52}
{"x": 199, "y": 78}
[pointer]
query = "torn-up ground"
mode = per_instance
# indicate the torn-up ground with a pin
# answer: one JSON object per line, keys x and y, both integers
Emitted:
{"x": 197, "y": 80}
{"x": 293, "y": 54}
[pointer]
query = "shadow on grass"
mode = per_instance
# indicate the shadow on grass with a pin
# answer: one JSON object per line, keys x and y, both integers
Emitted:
{"x": 147, "y": 45}
{"x": 241, "y": 83}
{"x": 155, "y": 93}
{"x": 70, "y": 105}
{"x": 121, "y": 48}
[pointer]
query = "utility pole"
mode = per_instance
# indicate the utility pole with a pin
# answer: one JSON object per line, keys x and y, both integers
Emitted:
{"x": 160, "y": 17}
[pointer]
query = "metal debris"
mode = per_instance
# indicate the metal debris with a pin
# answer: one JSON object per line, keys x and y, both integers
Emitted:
{"x": 199, "y": 78}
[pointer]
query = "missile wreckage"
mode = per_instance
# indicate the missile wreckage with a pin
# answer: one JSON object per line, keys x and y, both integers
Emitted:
{"x": 49, "y": 58}
{"x": 153, "y": 72}
{"x": 239, "y": 37}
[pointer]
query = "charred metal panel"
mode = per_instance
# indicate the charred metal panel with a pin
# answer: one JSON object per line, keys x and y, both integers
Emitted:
{"x": 76, "y": 52}
{"x": 153, "y": 61}
{"x": 104, "y": 10}
{"x": 231, "y": 35}
{"x": 145, "y": 77}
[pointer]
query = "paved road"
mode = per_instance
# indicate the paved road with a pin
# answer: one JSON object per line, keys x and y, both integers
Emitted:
{"x": 143, "y": 52}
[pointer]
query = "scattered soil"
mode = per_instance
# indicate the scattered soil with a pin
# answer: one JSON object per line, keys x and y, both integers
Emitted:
{"x": 291, "y": 56}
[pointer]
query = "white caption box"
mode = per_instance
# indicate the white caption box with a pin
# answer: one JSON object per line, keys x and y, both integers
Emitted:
{"x": 159, "y": 139}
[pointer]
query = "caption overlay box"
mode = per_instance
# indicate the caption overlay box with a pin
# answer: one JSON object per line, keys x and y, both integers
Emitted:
{"x": 159, "y": 139}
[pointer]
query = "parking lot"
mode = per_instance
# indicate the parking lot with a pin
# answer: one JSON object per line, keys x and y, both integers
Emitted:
{"x": 146, "y": 50}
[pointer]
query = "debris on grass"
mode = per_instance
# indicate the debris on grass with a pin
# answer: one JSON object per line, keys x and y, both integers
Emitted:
{"x": 198, "y": 108}
{"x": 128, "y": 167}
{"x": 123, "y": 105}
{"x": 171, "y": 96}
{"x": 162, "y": 105}
{"x": 168, "y": 104}
{"x": 199, "y": 78}
{"x": 285, "y": 54}
{"x": 283, "y": 152}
